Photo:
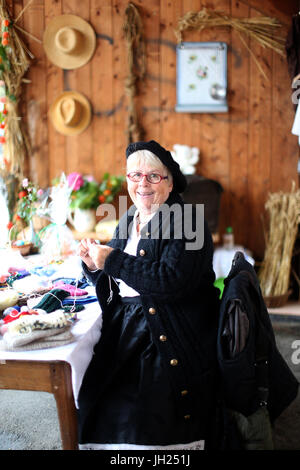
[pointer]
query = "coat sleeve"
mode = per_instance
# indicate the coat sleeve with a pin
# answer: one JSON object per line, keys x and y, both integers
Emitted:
{"x": 175, "y": 273}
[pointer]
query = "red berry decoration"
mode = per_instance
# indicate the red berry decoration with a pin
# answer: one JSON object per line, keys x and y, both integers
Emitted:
{"x": 2, "y": 139}
{"x": 4, "y": 42}
{"x": 5, "y": 23}
{"x": 5, "y": 35}
{"x": 22, "y": 194}
{"x": 4, "y": 111}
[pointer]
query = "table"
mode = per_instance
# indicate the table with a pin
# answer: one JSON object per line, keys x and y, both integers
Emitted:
{"x": 57, "y": 370}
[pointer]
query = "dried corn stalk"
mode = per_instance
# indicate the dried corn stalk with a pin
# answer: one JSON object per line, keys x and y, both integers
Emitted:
{"x": 16, "y": 145}
{"x": 284, "y": 213}
{"x": 136, "y": 56}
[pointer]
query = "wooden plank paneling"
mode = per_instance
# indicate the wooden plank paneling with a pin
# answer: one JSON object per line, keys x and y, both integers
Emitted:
{"x": 102, "y": 89}
{"x": 149, "y": 112}
{"x": 250, "y": 150}
{"x": 79, "y": 148}
{"x": 119, "y": 74}
{"x": 260, "y": 142}
{"x": 171, "y": 132}
{"x": 55, "y": 86}
{"x": 238, "y": 61}
{"x": 36, "y": 94}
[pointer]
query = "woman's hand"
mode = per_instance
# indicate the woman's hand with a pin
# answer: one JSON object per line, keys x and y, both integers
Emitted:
{"x": 92, "y": 254}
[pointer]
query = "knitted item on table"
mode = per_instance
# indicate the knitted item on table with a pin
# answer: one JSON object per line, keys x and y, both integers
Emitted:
{"x": 37, "y": 339}
{"x": 25, "y": 297}
{"x": 26, "y": 324}
{"x": 52, "y": 300}
{"x": 70, "y": 288}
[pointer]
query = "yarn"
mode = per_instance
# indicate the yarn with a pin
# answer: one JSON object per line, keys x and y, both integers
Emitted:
{"x": 8, "y": 298}
{"x": 72, "y": 308}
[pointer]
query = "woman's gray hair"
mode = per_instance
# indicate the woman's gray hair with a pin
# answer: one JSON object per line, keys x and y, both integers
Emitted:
{"x": 141, "y": 157}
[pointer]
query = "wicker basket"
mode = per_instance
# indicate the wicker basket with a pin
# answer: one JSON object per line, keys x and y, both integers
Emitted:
{"x": 23, "y": 249}
{"x": 276, "y": 301}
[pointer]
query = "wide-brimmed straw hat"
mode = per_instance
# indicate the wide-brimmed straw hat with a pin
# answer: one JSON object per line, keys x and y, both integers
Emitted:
{"x": 69, "y": 41}
{"x": 70, "y": 113}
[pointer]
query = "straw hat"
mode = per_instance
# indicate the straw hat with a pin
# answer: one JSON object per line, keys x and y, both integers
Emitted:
{"x": 70, "y": 113}
{"x": 69, "y": 41}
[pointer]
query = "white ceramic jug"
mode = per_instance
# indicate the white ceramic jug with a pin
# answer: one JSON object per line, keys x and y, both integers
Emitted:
{"x": 84, "y": 220}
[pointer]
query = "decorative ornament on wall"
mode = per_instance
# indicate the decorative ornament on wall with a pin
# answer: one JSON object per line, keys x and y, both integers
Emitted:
{"x": 69, "y": 41}
{"x": 201, "y": 77}
{"x": 186, "y": 157}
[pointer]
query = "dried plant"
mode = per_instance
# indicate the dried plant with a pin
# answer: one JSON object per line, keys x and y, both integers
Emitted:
{"x": 261, "y": 29}
{"x": 284, "y": 215}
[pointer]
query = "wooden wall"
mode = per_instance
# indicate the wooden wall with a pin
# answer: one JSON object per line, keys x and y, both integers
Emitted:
{"x": 250, "y": 150}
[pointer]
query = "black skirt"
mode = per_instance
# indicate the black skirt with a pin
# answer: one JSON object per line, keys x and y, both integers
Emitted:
{"x": 126, "y": 397}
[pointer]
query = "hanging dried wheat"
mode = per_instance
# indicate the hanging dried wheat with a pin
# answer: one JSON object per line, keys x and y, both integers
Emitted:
{"x": 284, "y": 214}
{"x": 262, "y": 29}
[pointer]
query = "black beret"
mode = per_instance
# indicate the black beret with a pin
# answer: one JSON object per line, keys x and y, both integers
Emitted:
{"x": 179, "y": 180}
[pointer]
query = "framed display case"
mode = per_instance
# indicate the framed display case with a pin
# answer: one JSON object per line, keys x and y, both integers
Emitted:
{"x": 201, "y": 81}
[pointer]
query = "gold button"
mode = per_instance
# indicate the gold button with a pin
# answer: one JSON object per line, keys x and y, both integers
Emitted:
{"x": 163, "y": 338}
{"x": 187, "y": 416}
{"x": 152, "y": 311}
{"x": 142, "y": 252}
{"x": 184, "y": 392}
{"x": 173, "y": 362}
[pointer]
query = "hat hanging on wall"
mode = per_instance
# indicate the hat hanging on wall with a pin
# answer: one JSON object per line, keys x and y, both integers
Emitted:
{"x": 69, "y": 41}
{"x": 70, "y": 113}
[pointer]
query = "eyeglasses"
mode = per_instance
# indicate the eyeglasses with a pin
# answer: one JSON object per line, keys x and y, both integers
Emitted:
{"x": 153, "y": 178}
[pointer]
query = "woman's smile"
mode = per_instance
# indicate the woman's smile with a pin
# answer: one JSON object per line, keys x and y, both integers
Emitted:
{"x": 148, "y": 196}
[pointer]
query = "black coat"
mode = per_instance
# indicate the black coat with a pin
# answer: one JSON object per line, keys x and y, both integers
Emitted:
{"x": 257, "y": 374}
{"x": 179, "y": 302}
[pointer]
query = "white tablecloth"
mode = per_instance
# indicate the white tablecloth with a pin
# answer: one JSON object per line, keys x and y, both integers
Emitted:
{"x": 78, "y": 354}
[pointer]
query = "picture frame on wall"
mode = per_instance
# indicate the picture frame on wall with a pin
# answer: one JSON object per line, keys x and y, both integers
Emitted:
{"x": 201, "y": 77}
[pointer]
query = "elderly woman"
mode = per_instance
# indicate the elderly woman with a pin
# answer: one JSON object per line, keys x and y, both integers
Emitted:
{"x": 151, "y": 381}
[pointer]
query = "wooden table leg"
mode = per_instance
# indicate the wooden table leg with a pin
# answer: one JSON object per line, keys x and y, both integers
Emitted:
{"x": 62, "y": 390}
{"x": 53, "y": 377}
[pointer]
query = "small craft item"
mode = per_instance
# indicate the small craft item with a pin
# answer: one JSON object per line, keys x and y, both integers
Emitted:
{"x": 52, "y": 300}
{"x": 31, "y": 284}
{"x": 47, "y": 271}
{"x": 57, "y": 239}
{"x": 83, "y": 300}
{"x": 72, "y": 290}
{"x": 19, "y": 271}
{"x": 38, "y": 332}
{"x": 69, "y": 41}
{"x": 24, "y": 298}
{"x": 8, "y": 298}
{"x": 70, "y": 113}
{"x": 39, "y": 339}
{"x": 21, "y": 246}
{"x": 14, "y": 313}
